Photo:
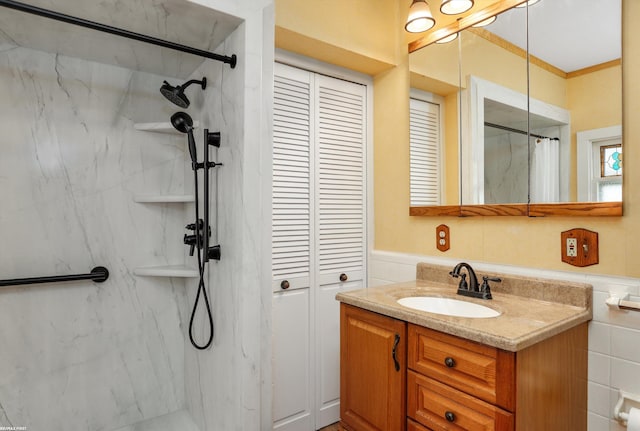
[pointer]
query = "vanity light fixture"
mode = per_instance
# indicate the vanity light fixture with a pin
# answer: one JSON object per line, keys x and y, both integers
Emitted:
{"x": 454, "y": 7}
{"x": 420, "y": 18}
{"x": 528, "y": 3}
{"x": 486, "y": 22}
{"x": 449, "y": 38}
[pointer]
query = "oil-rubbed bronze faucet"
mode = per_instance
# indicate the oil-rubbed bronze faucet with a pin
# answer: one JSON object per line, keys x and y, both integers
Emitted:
{"x": 473, "y": 289}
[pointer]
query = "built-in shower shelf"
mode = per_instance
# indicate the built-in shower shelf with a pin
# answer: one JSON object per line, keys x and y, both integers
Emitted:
{"x": 165, "y": 127}
{"x": 167, "y": 271}
{"x": 164, "y": 199}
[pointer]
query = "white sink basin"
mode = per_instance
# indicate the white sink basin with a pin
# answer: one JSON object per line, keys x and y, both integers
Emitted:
{"x": 448, "y": 306}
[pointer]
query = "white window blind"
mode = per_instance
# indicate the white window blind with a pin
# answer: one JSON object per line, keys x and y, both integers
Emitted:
{"x": 425, "y": 152}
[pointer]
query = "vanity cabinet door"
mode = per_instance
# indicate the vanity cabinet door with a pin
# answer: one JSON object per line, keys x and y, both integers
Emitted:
{"x": 441, "y": 407}
{"x": 372, "y": 371}
{"x": 476, "y": 369}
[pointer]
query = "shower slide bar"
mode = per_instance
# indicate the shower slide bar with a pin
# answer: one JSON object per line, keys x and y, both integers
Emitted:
{"x": 231, "y": 60}
{"x": 98, "y": 274}
{"x": 521, "y": 132}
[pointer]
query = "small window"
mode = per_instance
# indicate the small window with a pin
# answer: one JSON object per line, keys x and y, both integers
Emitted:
{"x": 607, "y": 180}
{"x": 600, "y": 165}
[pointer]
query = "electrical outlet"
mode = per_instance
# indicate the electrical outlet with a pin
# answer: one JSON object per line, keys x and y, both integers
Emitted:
{"x": 572, "y": 247}
{"x": 442, "y": 237}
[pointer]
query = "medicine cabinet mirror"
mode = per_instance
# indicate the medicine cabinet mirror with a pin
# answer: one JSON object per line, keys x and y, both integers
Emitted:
{"x": 537, "y": 134}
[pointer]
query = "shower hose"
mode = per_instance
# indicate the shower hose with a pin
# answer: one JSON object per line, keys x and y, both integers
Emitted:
{"x": 201, "y": 269}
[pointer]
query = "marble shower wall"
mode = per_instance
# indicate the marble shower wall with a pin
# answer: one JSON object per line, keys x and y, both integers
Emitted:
{"x": 505, "y": 169}
{"x": 85, "y": 356}
{"x": 213, "y": 390}
{"x": 228, "y": 386}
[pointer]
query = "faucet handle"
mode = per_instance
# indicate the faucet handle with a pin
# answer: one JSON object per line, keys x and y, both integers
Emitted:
{"x": 485, "y": 288}
{"x": 463, "y": 282}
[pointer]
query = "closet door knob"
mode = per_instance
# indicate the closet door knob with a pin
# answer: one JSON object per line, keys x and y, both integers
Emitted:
{"x": 284, "y": 285}
{"x": 343, "y": 277}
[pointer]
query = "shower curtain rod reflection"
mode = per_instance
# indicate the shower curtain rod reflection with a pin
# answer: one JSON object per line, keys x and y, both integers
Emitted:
{"x": 521, "y": 132}
{"x": 117, "y": 31}
{"x": 98, "y": 274}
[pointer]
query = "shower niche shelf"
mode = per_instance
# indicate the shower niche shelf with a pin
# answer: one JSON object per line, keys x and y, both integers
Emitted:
{"x": 164, "y": 127}
{"x": 164, "y": 199}
{"x": 181, "y": 271}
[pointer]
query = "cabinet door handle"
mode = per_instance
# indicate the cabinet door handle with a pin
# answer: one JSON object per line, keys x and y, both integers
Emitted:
{"x": 284, "y": 285}
{"x": 343, "y": 277}
{"x": 449, "y": 362}
{"x": 450, "y": 416}
{"x": 393, "y": 353}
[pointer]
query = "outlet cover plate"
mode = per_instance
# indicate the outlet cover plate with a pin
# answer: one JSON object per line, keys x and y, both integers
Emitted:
{"x": 442, "y": 237}
{"x": 586, "y": 252}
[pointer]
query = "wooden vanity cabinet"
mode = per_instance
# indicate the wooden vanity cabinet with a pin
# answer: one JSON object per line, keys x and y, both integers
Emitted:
{"x": 444, "y": 382}
{"x": 372, "y": 371}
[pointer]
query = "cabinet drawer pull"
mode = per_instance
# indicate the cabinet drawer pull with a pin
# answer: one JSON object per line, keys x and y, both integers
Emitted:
{"x": 449, "y": 362}
{"x": 450, "y": 416}
{"x": 393, "y": 353}
{"x": 284, "y": 285}
{"x": 343, "y": 277}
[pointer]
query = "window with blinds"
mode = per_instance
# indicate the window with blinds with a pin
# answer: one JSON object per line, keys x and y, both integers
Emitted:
{"x": 425, "y": 152}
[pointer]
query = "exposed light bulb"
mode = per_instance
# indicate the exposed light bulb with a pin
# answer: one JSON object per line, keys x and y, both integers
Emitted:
{"x": 420, "y": 18}
{"x": 449, "y": 38}
{"x": 530, "y": 3}
{"x": 454, "y": 7}
{"x": 486, "y": 22}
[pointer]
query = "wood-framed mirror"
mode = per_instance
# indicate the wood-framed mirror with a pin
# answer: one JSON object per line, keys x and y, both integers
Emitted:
{"x": 560, "y": 109}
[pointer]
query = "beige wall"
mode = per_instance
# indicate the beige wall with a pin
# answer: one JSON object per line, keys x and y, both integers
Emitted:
{"x": 532, "y": 242}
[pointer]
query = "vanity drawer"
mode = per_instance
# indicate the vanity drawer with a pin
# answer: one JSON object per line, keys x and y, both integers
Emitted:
{"x": 479, "y": 370}
{"x": 439, "y": 407}
{"x": 415, "y": 426}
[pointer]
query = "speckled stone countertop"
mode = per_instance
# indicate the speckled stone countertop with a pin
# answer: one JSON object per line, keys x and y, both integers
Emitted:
{"x": 531, "y": 309}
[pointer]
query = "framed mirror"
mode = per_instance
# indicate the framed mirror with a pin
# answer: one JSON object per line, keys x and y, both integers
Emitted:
{"x": 529, "y": 131}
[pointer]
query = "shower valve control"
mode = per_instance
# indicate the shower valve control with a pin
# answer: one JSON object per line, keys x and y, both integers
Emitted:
{"x": 197, "y": 238}
{"x": 214, "y": 252}
{"x": 191, "y": 241}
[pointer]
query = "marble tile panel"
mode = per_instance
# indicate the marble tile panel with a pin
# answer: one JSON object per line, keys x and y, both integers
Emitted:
{"x": 80, "y": 355}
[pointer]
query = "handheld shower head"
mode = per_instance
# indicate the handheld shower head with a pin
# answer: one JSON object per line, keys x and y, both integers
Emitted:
{"x": 176, "y": 94}
{"x": 183, "y": 123}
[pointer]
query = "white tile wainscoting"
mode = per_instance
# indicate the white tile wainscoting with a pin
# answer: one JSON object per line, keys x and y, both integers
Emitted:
{"x": 614, "y": 336}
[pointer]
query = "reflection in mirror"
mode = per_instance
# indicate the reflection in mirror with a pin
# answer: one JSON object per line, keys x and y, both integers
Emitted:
{"x": 494, "y": 160}
{"x": 434, "y": 94}
{"x": 575, "y": 96}
{"x": 579, "y": 103}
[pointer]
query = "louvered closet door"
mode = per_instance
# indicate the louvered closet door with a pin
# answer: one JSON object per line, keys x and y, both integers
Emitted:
{"x": 424, "y": 138}
{"x": 340, "y": 137}
{"x": 293, "y": 377}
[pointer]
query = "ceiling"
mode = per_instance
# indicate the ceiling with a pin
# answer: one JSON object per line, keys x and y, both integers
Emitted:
{"x": 569, "y": 34}
{"x": 179, "y": 21}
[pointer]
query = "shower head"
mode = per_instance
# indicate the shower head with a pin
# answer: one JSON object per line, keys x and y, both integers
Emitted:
{"x": 183, "y": 123}
{"x": 176, "y": 94}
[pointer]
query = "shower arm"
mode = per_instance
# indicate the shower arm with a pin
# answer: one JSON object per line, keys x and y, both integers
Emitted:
{"x": 202, "y": 82}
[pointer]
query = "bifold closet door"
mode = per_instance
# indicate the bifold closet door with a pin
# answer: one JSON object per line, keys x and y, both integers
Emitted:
{"x": 318, "y": 238}
{"x": 293, "y": 375}
{"x": 340, "y": 138}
